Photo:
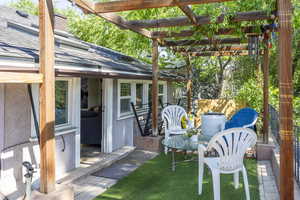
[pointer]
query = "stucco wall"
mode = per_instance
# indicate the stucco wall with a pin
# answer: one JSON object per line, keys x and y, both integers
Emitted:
{"x": 17, "y": 145}
{"x": 17, "y": 122}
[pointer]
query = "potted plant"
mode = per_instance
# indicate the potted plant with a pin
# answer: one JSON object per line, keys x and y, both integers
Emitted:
{"x": 192, "y": 134}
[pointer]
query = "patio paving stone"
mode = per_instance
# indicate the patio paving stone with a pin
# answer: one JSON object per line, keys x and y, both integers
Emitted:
{"x": 267, "y": 185}
{"x": 91, "y": 186}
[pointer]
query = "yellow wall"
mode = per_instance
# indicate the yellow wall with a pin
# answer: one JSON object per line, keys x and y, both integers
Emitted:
{"x": 226, "y": 106}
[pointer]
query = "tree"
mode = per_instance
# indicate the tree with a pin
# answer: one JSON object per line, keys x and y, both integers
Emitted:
{"x": 209, "y": 73}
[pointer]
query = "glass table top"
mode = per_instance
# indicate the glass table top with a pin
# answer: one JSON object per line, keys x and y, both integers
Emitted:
{"x": 183, "y": 142}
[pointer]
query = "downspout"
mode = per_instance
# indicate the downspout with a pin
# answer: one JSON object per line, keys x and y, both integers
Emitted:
{"x": 36, "y": 123}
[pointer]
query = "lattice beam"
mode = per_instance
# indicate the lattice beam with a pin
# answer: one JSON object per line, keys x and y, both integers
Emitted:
{"x": 207, "y": 48}
{"x": 189, "y": 33}
{"x": 118, "y": 6}
{"x": 220, "y": 53}
{"x": 202, "y": 42}
{"x": 201, "y": 20}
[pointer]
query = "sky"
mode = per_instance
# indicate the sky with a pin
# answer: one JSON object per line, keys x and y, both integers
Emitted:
{"x": 60, "y": 4}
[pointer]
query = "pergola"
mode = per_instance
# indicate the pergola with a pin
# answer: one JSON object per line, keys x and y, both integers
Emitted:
{"x": 218, "y": 47}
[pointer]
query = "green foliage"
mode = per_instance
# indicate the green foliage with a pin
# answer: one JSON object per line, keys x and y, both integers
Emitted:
{"x": 251, "y": 92}
{"x": 274, "y": 97}
{"x": 26, "y": 6}
{"x": 244, "y": 80}
{"x": 98, "y": 31}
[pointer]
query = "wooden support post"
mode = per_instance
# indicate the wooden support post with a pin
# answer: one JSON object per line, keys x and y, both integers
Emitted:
{"x": 47, "y": 96}
{"x": 286, "y": 99}
{"x": 266, "y": 93}
{"x": 189, "y": 85}
{"x": 155, "y": 87}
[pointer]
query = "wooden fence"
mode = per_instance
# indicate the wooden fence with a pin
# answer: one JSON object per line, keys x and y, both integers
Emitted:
{"x": 226, "y": 106}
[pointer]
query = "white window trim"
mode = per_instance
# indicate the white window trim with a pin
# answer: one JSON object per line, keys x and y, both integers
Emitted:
{"x": 133, "y": 83}
{"x": 68, "y": 125}
{"x": 132, "y": 99}
{"x": 72, "y": 124}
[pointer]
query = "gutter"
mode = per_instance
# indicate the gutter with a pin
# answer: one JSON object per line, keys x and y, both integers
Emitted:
{"x": 10, "y": 66}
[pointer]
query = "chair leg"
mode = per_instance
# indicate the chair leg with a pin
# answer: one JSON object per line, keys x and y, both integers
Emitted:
{"x": 236, "y": 180}
{"x": 246, "y": 185}
{"x": 200, "y": 176}
{"x": 216, "y": 184}
{"x": 166, "y": 138}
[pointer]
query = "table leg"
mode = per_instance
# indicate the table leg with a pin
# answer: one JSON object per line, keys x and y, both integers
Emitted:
{"x": 173, "y": 161}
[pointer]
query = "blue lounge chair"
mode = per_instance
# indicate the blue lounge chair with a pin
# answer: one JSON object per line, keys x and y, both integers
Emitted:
{"x": 244, "y": 118}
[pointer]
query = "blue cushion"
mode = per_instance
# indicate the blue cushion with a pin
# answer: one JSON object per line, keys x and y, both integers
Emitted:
{"x": 243, "y": 117}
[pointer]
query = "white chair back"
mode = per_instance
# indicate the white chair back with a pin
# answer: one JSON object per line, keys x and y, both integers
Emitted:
{"x": 172, "y": 116}
{"x": 231, "y": 145}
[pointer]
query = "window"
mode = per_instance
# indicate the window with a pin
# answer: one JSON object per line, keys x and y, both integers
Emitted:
{"x": 138, "y": 92}
{"x": 139, "y": 95}
{"x": 160, "y": 93}
{"x": 125, "y": 97}
{"x": 149, "y": 93}
{"x": 67, "y": 105}
{"x": 61, "y": 102}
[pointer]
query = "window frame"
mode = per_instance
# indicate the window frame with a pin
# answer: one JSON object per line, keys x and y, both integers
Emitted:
{"x": 72, "y": 124}
{"x": 68, "y": 124}
{"x": 143, "y": 94}
{"x": 120, "y": 115}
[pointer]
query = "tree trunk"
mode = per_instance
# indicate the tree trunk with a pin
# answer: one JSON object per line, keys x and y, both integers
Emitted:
{"x": 221, "y": 76}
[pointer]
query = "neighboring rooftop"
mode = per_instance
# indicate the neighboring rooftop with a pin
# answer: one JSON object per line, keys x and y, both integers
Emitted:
{"x": 19, "y": 45}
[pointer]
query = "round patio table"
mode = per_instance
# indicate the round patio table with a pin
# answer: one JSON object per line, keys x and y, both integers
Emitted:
{"x": 183, "y": 143}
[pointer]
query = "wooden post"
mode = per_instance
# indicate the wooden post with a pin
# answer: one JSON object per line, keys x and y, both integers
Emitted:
{"x": 154, "y": 87}
{"x": 286, "y": 98}
{"x": 47, "y": 96}
{"x": 189, "y": 85}
{"x": 266, "y": 93}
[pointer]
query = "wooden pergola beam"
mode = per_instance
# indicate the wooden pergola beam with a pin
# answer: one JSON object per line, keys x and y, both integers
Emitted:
{"x": 47, "y": 97}
{"x": 19, "y": 77}
{"x": 189, "y": 13}
{"x": 208, "y": 48}
{"x": 189, "y": 84}
{"x": 189, "y": 33}
{"x": 88, "y": 8}
{"x": 118, "y": 6}
{"x": 121, "y": 22}
{"x": 266, "y": 63}
{"x": 170, "y": 43}
{"x": 155, "y": 78}
{"x": 201, "y": 20}
{"x": 218, "y": 53}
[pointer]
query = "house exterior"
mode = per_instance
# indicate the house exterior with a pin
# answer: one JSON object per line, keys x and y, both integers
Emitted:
{"x": 89, "y": 79}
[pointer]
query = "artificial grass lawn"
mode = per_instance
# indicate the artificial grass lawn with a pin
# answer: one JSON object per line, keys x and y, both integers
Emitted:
{"x": 155, "y": 181}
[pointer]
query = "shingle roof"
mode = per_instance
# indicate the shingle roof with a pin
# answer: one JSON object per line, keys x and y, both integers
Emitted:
{"x": 19, "y": 42}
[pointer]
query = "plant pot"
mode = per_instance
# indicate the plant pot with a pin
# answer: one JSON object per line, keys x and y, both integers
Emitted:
{"x": 194, "y": 138}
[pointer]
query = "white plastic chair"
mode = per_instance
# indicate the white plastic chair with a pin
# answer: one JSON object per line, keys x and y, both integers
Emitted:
{"x": 172, "y": 116}
{"x": 231, "y": 146}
